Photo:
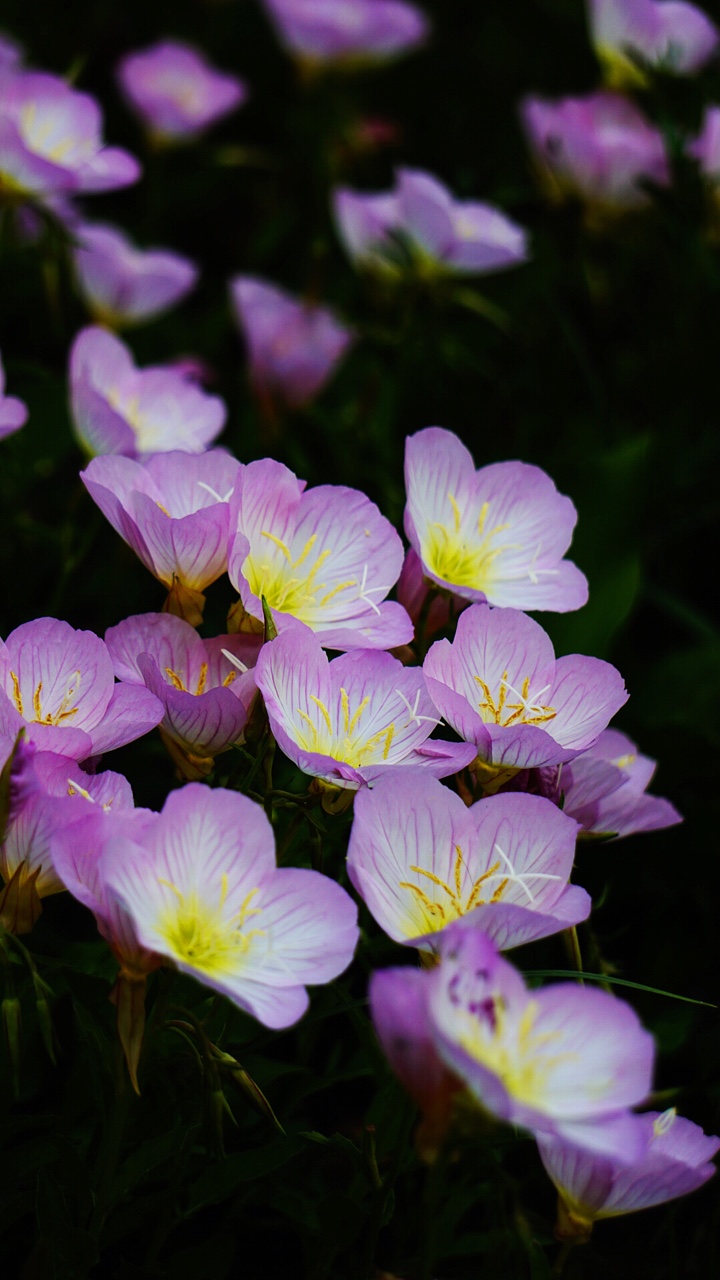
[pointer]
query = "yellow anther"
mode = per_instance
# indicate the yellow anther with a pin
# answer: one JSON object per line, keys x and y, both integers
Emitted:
{"x": 390, "y": 734}
{"x": 230, "y": 677}
{"x": 345, "y": 704}
{"x": 175, "y": 679}
{"x": 356, "y": 718}
{"x": 305, "y": 551}
{"x": 282, "y": 546}
{"x": 482, "y": 516}
{"x": 76, "y": 790}
{"x": 37, "y": 708}
{"x": 202, "y": 679}
{"x": 456, "y": 512}
{"x": 163, "y": 509}
{"x": 17, "y": 696}
{"x": 323, "y": 711}
{"x": 342, "y": 586}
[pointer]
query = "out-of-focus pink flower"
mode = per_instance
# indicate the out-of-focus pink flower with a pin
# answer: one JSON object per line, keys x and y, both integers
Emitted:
{"x": 51, "y": 140}
{"x": 419, "y": 226}
{"x": 293, "y": 346}
{"x": 498, "y": 684}
{"x": 173, "y": 511}
{"x": 13, "y": 412}
{"x": 348, "y": 32}
{"x": 118, "y": 408}
{"x": 202, "y": 889}
{"x": 421, "y": 859}
{"x": 175, "y": 91}
{"x": 676, "y": 1158}
{"x": 351, "y": 719}
{"x": 326, "y": 557}
{"x": 124, "y": 285}
{"x": 206, "y": 687}
{"x": 600, "y": 148}
{"x": 59, "y": 686}
{"x": 497, "y": 534}
{"x": 565, "y": 1060}
{"x": 706, "y": 147}
{"x": 11, "y": 53}
{"x": 669, "y": 35}
{"x": 605, "y": 789}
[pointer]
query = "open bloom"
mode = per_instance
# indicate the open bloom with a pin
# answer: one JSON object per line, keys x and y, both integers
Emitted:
{"x": 202, "y": 889}
{"x": 51, "y": 143}
{"x": 347, "y": 720}
{"x": 605, "y": 788}
{"x": 205, "y": 686}
{"x": 496, "y": 534}
{"x": 421, "y": 859}
{"x": 326, "y": 557}
{"x": 293, "y": 346}
{"x": 175, "y": 90}
{"x": 600, "y": 148}
{"x": 498, "y": 684}
{"x": 668, "y": 34}
{"x": 124, "y": 285}
{"x": 173, "y": 511}
{"x": 347, "y": 31}
{"x": 118, "y": 408}
{"x": 13, "y": 412}
{"x": 563, "y": 1060}
{"x": 58, "y": 685}
{"x": 676, "y": 1158}
{"x": 421, "y": 218}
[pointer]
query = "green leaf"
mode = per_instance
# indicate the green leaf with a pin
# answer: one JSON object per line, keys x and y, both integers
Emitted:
{"x": 220, "y": 1180}
{"x": 618, "y": 982}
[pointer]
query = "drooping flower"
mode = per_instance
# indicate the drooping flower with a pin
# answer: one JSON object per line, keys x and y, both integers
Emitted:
{"x": 605, "y": 789}
{"x": 669, "y": 35}
{"x": 419, "y": 226}
{"x": 123, "y": 285}
{"x": 498, "y": 684}
{"x": 58, "y": 685}
{"x": 326, "y": 557}
{"x": 13, "y": 412}
{"x": 173, "y": 511}
{"x": 676, "y": 1158}
{"x": 205, "y": 686}
{"x": 202, "y": 889}
{"x": 118, "y": 408}
{"x": 51, "y": 140}
{"x": 347, "y": 32}
{"x": 293, "y": 346}
{"x": 348, "y": 720}
{"x": 496, "y": 534}
{"x": 564, "y": 1060}
{"x": 421, "y": 859}
{"x": 176, "y": 91}
{"x": 599, "y": 148}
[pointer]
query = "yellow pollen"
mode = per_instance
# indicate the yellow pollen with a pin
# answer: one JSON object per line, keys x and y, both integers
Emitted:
{"x": 500, "y": 711}
{"x": 17, "y": 696}
{"x": 163, "y": 509}
{"x": 516, "y": 1053}
{"x": 202, "y": 935}
{"x": 202, "y": 679}
{"x": 461, "y": 556}
{"x": 76, "y": 790}
{"x": 323, "y": 711}
{"x": 277, "y": 580}
{"x": 456, "y": 512}
{"x": 342, "y": 586}
{"x": 624, "y": 762}
{"x": 230, "y": 677}
{"x": 305, "y": 551}
{"x": 37, "y": 708}
{"x": 439, "y": 913}
{"x": 278, "y": 543}
{"x": 175, "y": 679}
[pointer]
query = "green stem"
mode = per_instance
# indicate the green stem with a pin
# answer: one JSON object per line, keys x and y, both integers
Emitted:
{"x": 574, "y": 955}
{"x": 562, "y": 1257}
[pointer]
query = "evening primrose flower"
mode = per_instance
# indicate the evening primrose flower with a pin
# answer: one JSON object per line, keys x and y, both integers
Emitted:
{"x": 57, "y": 685}
{"x": 13, "y": 412}
{"x": 123, "y": 285}
{"x": 498, "y": 685}
{"x": 676, "y": 1158}
{"x": 421, "y": 859}
{"x": 326, "y": 557}
{"x": 347, "y": 33}
{"x": 348, "y": 720}
{"x": 202, "y": 889}
{"x": 293, "y": 346}
{"x": 173, "y": 511}
{"x": 669, "y": 35}
{"x": 564, "y": 1060}
{"x": 51, "y": 143}
{"x": 118, "y": 408}
{"x": 205, "y": 686}
{"x": 421, "y": 218}
{"x": 176, "y": 91}
{"x": 496, "y": 534}
{"x": 605, "y": 790}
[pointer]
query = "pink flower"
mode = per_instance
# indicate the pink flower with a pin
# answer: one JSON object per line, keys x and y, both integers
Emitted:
{"x": 202, "y": 889}
{"x": 175, "y": 90}
{"x": 604, "y": 789}
{"x": 293, "y": 346}
{"x": 420, "y": 217}
{"x": 497, "y": 534}
{"x": 173, "y": 511}
{"x": 498, "y": 684}
{"x": 13, "y": 413}
{"x": 706, "y": 147}
{"x": 124, "y": 285}
{"x": 326, "y": 557}
{"x": 347, "y": 32}
{"x": 118, "y": 408}
{"x": 669, "y": 35}
{"x": 51, "y": 143}
{"x": 348, "y": 720}
{"x": 58, "y": 684}
{"x": 421, "y": 859}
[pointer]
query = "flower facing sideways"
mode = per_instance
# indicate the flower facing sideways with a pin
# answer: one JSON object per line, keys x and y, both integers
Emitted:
{"x": 124, "y": 285}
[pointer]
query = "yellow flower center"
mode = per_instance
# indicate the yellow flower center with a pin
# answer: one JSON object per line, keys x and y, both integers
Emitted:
{"x": 277, "y": 578}
{"x": 464, "y": 555}
{"x": 345, "y": 743}
{"x": 513, "y": 1050}
{"x": 201, "y": 933}
{"x": 496, "y": 709}
{"x": 62, "y": 712}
